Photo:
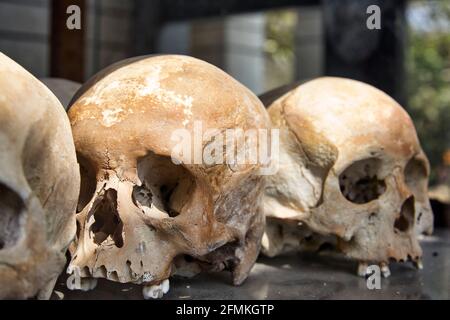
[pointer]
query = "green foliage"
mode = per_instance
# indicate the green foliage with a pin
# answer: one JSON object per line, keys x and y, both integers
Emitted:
{"x": 280, "y": 35}
{"x": 279, "y": 47}
{"x": 428, "y": 88}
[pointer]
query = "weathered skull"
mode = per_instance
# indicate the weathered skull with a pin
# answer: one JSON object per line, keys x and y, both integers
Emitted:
{"x": 142, "y": 214}
{"x": 39, "y": 185}
{"x": 352, "y": 174}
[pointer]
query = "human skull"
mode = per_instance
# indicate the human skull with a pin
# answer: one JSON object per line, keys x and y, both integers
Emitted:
{"x": 352, "y": 174}
{"x": 39, "y": 185}
{"x": 144, "y": 211}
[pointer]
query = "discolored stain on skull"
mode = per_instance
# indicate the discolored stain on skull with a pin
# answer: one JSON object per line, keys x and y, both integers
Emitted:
{"x": 359, "y": 183}
{"x": 11, "y": 213}
{"x": 107, "y": 220}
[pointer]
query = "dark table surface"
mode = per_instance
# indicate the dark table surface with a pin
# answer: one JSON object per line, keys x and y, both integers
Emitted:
{"x": 302, "y": 276}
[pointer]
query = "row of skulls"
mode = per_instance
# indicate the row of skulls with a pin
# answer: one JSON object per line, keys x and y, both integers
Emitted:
{"x": 100, "y": 184}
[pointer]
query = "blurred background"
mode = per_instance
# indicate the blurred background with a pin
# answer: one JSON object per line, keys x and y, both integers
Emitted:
{"x": 264, "y": 44}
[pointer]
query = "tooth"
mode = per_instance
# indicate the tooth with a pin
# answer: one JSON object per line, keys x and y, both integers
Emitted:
{"x": 165, "y": 286}
{"x": 75, "y": 282}
{"x": 362, "y": 269}
{"x": 385, "y": 269}
{"x": 156, "y": 291}
{"x": 59, "y": 294}
{"x": 418, "y": 264}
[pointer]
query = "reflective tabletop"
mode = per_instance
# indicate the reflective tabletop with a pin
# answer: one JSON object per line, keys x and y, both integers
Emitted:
{"x": 301, "y": 276}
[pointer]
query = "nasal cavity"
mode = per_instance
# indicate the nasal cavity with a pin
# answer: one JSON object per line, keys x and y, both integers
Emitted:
{"x": 11, "y": 216}
{"x": 405, "y": 220}
{"x": 107, "y": 222}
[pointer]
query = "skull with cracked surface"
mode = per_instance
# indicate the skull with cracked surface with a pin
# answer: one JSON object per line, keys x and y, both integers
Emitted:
{"x": 145, "y": 211}
{"x": 352, "y": 174}
{"x": 39, "y": 185}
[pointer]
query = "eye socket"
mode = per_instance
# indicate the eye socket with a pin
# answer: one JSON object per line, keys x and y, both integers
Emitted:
{"x": 359, "y": 183}
{"x": 166, "y": 187}
{"x": 416, "y": 177}
{"x": 11, "y": 216}
{"x": 88, "y": 182}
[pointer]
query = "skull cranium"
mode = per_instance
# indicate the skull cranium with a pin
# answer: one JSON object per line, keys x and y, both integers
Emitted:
{"x": 39, "y": 185}
{"x": 352, "y": 173}
{"x": 140, "y": 214}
